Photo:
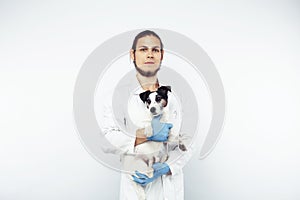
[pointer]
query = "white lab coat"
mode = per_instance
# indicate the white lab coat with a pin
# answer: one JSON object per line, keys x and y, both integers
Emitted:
{"x": 119, "y": 128}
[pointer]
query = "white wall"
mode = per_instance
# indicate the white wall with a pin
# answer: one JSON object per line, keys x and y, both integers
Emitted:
{"x": 254, "y": 44}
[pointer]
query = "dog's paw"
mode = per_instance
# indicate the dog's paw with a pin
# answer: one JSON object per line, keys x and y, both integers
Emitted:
{"x": 182, "y": 147}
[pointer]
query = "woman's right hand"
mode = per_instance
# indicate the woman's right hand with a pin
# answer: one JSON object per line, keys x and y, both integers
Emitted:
{"x": 162, "y": 135}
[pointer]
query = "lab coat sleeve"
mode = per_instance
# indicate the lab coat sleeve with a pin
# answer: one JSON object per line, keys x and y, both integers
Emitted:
{"x": 120, "y": 141}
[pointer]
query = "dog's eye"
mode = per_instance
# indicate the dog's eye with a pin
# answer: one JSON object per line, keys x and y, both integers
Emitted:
{"x": 148, "y": 101}
{"x": 158, "y": 98}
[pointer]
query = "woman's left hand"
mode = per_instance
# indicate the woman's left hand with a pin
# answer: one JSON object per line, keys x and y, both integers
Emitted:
{"x": 159, "y": 170}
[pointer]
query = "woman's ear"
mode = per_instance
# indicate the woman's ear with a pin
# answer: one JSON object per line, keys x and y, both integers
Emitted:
{"x": 162, "y": 54}
{"x": 132, "y": 56}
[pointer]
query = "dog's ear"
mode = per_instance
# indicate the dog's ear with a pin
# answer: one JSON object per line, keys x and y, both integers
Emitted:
{"x": 164, "y": 90}
{"x": 168, "y": 88}
{"x": 145, "y": 95}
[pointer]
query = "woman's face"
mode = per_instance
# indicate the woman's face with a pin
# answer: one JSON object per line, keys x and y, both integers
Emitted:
{"x": 148, "y": 55}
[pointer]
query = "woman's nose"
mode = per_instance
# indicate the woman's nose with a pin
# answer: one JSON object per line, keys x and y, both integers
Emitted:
{"x": 150, "y": 55}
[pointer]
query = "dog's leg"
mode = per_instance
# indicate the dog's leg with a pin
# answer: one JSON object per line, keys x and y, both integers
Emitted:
{"x": 150, "y": 169}
{"x": 140, "y": 192}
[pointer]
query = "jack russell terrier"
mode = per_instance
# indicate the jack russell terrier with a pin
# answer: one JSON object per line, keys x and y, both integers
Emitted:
{"x": 151, "y": 152}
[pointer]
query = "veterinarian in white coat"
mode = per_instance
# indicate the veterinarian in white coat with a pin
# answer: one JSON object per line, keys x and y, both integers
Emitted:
{"x": 132, "y": 118}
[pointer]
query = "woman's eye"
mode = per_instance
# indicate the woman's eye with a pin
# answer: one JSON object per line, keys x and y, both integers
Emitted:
{"x": 156, "y": 50}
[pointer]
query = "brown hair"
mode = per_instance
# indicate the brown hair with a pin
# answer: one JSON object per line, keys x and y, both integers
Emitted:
{"x": 143, "y": 34}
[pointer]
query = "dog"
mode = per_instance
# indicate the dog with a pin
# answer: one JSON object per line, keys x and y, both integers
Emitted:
{"x": 151, "y": 152}
{"x": 155, "y": 103}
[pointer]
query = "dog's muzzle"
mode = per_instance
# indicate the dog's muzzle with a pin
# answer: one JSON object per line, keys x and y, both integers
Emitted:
{"x": 152, "y": 110}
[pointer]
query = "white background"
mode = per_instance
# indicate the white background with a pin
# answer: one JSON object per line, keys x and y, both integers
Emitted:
{"x": 254, "y": 45}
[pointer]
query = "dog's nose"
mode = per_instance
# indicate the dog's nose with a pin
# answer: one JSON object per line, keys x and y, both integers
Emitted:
{"x": 152, "y": 109}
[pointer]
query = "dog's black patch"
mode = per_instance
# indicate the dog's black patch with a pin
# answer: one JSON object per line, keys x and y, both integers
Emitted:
{"x": 161, "y": 91}
{"x": 144, "y": 96}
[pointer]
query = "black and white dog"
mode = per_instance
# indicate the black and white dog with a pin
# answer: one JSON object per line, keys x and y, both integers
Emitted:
{"x": 155, "y": 103}
{"x": 150, "y": 151}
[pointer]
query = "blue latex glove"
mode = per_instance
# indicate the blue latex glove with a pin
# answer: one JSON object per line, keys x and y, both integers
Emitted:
{"x": 159, "y": 170}
{"x": 160, "y": 130}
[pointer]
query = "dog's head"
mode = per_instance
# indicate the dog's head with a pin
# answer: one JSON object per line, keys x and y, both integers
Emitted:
{"x": 156, "y": 101}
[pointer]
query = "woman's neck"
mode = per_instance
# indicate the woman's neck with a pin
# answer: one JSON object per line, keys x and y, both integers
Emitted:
{"x": 148, "y": 83}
